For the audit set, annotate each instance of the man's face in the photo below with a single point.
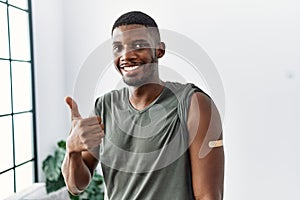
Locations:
(135, 54)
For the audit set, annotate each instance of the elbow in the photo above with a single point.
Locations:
(72, 187)
(77, 177)
(213, 196)
(74, 190)
(75, 187)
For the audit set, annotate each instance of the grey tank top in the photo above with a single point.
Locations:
(144, 154)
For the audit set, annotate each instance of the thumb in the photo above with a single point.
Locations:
(73, 107)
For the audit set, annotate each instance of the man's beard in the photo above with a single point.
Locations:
(137, 82)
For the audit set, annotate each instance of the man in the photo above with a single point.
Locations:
(156, 140)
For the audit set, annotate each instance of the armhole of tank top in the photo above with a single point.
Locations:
(97, 109)
(185, 102)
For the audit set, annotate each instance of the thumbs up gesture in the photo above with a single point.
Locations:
(86, 133)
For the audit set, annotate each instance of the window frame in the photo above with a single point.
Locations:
(34, 159)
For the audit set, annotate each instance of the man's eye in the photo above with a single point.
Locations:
(117, 48)
(140, 45)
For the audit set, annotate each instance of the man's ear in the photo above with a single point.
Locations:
(160, 51)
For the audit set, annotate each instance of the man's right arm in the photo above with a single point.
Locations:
(82, 150)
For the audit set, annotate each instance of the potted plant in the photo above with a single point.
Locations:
(55, 181)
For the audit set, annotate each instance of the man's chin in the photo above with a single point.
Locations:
(135, 82)
(132, 83)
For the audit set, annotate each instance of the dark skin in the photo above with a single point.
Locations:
(135, 56)
(207, 163)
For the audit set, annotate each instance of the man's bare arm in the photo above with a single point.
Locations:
(76, 172)
(207, 162)
(82, 147)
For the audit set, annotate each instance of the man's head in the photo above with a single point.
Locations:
(137, 17)
(137, 47)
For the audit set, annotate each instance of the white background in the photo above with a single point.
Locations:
(255, 46)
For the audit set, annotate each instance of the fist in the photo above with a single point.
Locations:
(86, 133)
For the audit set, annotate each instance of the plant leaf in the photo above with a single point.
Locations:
(62, 144)
(50, 168)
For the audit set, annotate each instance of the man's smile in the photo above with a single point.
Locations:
(131, 69)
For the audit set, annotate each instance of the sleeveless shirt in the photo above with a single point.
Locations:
(144, 154)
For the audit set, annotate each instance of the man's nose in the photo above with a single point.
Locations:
(128, 54)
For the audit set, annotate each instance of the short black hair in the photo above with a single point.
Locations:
(136, 17)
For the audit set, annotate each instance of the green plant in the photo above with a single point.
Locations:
(54, 179)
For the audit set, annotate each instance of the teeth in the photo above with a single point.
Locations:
(130, 68)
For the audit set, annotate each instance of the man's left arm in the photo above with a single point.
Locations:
(207, 161)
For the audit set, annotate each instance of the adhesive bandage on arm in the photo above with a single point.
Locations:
(216, 143)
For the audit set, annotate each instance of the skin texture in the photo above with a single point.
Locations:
(134, 46)
(207, 163)
(82, 149)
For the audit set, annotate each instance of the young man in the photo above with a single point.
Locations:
(151, 133)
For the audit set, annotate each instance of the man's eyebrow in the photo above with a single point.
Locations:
(140, 40)
(132, 42)
(116, 42)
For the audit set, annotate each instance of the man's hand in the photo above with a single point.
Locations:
(86, 133)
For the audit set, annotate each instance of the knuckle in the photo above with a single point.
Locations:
(102, 126)
(94, 118)
(83, 138)
(101, 134)
(84, 141)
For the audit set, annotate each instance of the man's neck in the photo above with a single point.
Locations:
(141, 97)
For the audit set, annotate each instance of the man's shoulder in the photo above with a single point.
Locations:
(117, 92)
(183, 89)
(176, 87)
(112, 95)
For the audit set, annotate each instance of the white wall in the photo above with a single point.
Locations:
(49, 76)
(254, 46)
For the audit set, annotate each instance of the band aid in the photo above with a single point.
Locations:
(214, 144)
